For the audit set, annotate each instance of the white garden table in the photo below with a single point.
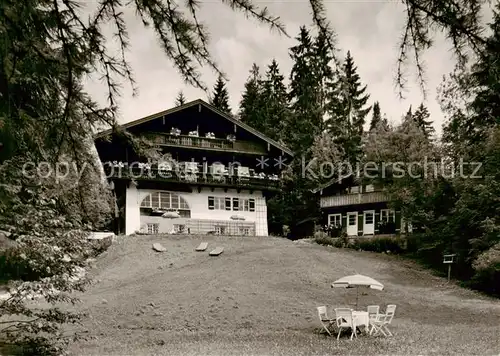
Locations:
(361, 319)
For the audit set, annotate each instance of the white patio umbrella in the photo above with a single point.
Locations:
(171, 215)
(237, 217)
(356, 281)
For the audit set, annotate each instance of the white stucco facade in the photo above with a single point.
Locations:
(200, 213)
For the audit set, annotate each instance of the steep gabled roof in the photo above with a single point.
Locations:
(209, 107)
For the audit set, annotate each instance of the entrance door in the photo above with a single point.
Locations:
(369, 222)
(352, 224)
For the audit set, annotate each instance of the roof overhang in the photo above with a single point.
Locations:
(209, 107)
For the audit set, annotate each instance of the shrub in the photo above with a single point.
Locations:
(381, 244)
(487, 271)
(322, 238)
(333, 230)
(386, 227)
(99, 246)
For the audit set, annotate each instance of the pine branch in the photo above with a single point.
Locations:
(251, 11)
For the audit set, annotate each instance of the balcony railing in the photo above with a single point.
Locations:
(353, 199)
(209, 179)
(217, 144)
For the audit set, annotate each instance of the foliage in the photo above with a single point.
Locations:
(46, 116)
(347, 110)
(421, 120)
(251, 101)
(380, 244)
(323, 239)
(487, 271)
(376, 116)
(274, 103)
(50, 253)
(333, 230)
(308, 87)
(180, 99)
(386, 227)
(220, 96)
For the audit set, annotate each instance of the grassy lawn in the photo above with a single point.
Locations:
(260, 297)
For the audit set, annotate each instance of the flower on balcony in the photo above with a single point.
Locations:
(146, 166)
(175, 131)
(231, 137)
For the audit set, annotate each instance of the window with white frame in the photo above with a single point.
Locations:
(387, 215)
(179, 228)
(216, 203)
(153, 228)
(251, 204)
(243, 204)
(236, 204)
(335, 219)
(220, 229)
(164, 200)
(227, 203)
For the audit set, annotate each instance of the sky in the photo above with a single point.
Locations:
(371, 30)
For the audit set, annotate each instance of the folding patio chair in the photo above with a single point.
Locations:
(326, 322)
(382, 321)
(373, 312)
(344, 319)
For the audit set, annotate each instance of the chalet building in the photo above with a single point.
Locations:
(215, 175)
(359, 209)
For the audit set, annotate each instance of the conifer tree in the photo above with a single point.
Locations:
(376, 116)
(408, 116)
(220, 96)
(308, 95)
(309, 80)
(250, 111)
(46, 54)
(421, 118)
(274, 102)
(180, 99)
(348, 110)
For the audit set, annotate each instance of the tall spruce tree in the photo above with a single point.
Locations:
(308, 87)
(180, 99)
(325, 68)
(376, 116)
(274, 102)
(408, 116)
(421, 118)
(308, 90)
(250, 110)
(348, 110)
(220, 96)
(41, 95)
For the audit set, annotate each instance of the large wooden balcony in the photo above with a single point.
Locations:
(353, 199)
(196, 179)
(206, 143)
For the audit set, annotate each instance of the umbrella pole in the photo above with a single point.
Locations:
(357, 296)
